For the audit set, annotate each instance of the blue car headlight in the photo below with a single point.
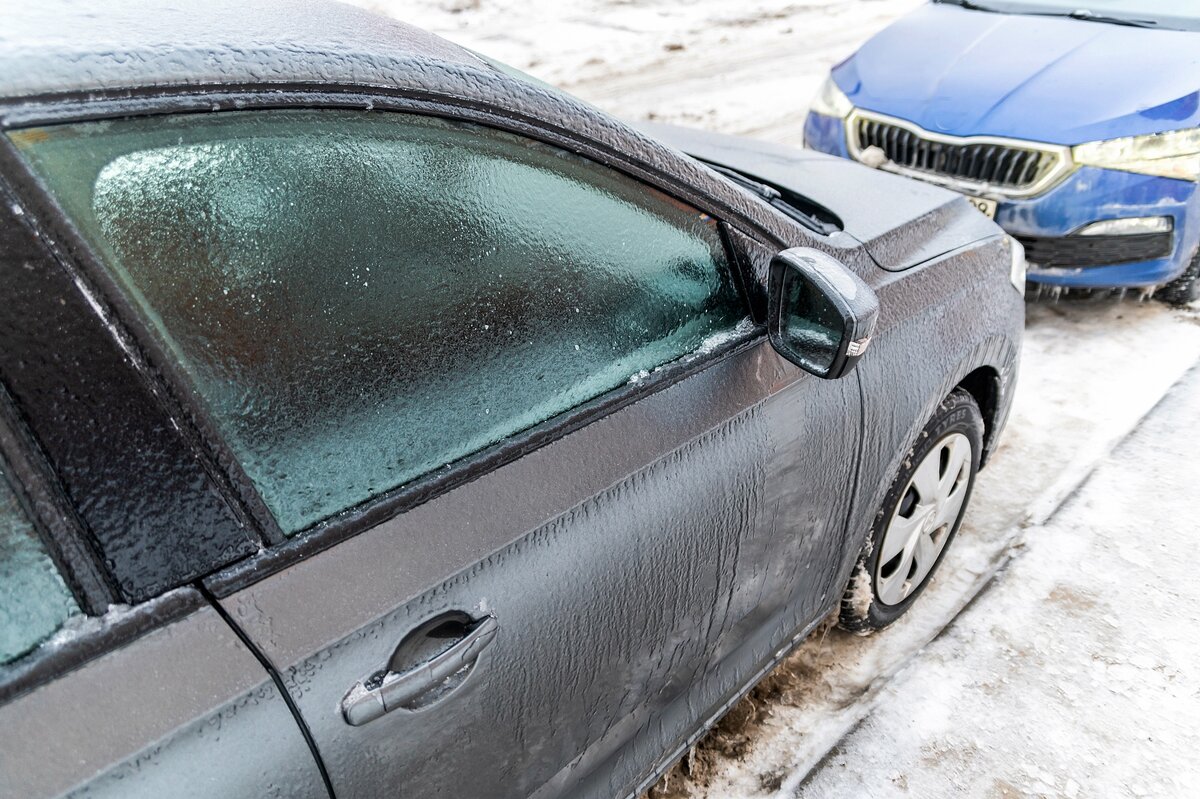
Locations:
(1175, 154)
(831, 100)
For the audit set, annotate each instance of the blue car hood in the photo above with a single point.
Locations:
(1050, 79)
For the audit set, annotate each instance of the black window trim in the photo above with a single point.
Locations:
(196, 424)
(36, 485)
(33, 480)
(40, 488)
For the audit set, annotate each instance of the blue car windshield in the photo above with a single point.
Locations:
(1181, 15)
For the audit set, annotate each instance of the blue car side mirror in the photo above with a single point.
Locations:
(820, 315)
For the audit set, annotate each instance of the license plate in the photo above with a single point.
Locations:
(986, 207)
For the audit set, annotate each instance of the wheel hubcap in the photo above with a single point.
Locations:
(921, 523)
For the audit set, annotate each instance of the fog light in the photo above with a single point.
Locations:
(1130, 226)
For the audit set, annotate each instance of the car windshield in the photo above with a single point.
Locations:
(1168, 14)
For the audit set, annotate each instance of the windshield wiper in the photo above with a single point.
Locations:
(775, 199)
(1088, 16)
(1083, 14)
(970, 6)
(761, 189)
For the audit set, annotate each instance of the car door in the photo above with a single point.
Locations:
(551, 498)
(113, 681)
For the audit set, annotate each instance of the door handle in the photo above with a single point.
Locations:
(390, 690)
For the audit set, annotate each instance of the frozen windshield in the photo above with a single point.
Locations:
(1168, 14)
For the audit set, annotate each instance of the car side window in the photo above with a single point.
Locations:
(364, 297)
(34, 600)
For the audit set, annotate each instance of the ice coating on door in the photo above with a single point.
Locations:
(363, 297)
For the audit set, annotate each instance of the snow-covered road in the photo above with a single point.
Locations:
(748, 67)
(944, 701)
(1076, 673)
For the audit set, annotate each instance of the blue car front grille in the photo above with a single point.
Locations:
(1003, 166)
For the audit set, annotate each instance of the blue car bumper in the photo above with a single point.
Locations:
(1087, 195)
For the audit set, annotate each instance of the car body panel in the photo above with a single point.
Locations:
(617, 561)
(714, 509)
(1110, 195)
(826, 135)
(884, 227)
(961, 268)
(963, 72)
(184, 711)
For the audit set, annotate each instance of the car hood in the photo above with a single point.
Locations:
(1052, 79)
(900, 222)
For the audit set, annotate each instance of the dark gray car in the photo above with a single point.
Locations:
(377, 420)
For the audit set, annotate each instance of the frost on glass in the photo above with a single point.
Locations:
(363, 297)
(34, 601)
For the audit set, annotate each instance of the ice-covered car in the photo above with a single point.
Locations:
(377, 420)
(1075, 124)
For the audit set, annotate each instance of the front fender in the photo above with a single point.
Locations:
(940, 323)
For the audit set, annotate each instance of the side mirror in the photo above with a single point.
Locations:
(820, 315)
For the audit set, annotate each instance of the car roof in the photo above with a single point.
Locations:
(61, 60)
(59, 46)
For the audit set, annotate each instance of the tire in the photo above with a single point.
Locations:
(1183, 289)
(919, 518)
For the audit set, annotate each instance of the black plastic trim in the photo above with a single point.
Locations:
(90, 401)
(1058, 252)
(61, 530)
(158, 370)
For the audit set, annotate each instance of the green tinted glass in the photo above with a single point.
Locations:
(363, 297)
(34, 600)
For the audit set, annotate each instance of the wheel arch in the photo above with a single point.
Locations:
(983, 384)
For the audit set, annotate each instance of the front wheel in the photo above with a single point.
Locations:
(1183, 289)
(919, 517)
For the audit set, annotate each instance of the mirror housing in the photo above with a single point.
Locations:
(820, 315)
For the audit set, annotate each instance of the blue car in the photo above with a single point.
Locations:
(1078, 130)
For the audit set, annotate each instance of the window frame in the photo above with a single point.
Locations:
(40, 489)
(45, 503)
(59, 233)
(34, 483)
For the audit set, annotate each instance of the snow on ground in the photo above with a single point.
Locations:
(1076, 673)
(746, 66)
(940, 709)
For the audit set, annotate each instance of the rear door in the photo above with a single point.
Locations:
(544, 481)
